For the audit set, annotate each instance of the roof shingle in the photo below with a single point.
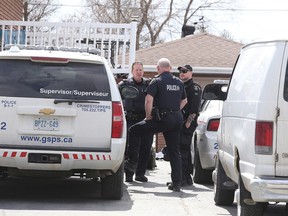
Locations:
(200, 50)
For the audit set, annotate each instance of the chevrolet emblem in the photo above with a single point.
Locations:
(46, 111)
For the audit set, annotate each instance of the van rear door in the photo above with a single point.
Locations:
(282, 123)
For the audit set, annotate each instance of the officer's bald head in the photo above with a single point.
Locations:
(163, 65)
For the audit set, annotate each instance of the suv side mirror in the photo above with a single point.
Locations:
(129, 92)
(215, 92)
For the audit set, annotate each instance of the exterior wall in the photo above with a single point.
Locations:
(11, 10)
(201, 79)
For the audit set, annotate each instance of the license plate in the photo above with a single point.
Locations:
(46, 124)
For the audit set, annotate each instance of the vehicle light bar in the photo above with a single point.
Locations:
(54, 48)
(49, 59)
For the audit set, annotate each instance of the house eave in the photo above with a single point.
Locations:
(196, 70)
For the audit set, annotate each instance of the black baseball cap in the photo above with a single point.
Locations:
(185, 67)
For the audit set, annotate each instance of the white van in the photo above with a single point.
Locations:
(61, 115)
(252, 136)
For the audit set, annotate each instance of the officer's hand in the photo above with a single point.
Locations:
(187, 124)
(190, 119)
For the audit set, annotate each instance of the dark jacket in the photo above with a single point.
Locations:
(194, 93)
(135, 105)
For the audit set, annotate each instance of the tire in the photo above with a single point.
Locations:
(200, 175)
(243, 209)
(112, 186)
(222, 195)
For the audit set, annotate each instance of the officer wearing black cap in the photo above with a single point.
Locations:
(166, 96)
(190, 114)
(135, 112)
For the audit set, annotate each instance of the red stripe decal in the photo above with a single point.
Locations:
(23, 154)
(5, 154)
(13, 154)
(109, 157)
(65, 156)
(104, 158)
(75, 156)
(91, 157)
(83, 156)
(97, 156)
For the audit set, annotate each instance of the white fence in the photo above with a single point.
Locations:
(117, 42)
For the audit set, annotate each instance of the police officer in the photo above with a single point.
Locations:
(190, 114)
(135, 112)
(167, 95)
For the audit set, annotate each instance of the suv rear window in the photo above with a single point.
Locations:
(72, 80)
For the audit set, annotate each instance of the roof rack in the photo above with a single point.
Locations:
(53, 48)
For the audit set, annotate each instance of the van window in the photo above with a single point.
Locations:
(285, 93)
(73, 80)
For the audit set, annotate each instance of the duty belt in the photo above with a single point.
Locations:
(159, 114)
(166, 111)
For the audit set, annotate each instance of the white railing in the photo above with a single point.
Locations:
(116, 42)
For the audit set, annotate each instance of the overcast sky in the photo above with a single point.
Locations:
(253, 19)
(258, 19)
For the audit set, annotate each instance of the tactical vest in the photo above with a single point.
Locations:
(136, 105)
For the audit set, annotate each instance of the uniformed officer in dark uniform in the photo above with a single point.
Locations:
(166, 95)
(135, 112)
(190, 114)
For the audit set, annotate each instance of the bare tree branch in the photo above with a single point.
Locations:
(189, 13)
(37, 10)
(186, 17)
(152, 21)
(144, 6)
(154, 32)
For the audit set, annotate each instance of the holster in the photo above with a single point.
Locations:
(156, 114)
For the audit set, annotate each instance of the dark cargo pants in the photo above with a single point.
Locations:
(170, 126)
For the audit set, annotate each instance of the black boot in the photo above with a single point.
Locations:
(129, 176)
(189, 180)
(174, 187)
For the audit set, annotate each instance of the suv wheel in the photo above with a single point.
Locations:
(200, 175)
(222, 195)
(112, 186)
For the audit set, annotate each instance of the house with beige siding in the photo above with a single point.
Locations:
(11, 10)
(211, 57)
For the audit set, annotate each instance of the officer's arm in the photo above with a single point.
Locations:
(183, 103)
(195, 97)
(195, 100)
(148, 106)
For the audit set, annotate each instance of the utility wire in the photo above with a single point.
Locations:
(163, 8)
